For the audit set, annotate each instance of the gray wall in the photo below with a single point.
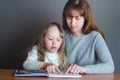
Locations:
(22, 20)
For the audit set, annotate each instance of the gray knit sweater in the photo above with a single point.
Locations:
(90, 51)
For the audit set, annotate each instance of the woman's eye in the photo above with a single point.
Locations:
(69, 17)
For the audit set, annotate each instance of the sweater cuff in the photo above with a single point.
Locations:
(41, 65)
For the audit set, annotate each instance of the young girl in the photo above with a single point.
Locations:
(48, 53)
(87, 51)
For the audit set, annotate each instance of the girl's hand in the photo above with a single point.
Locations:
(75, 69)
(51, 68)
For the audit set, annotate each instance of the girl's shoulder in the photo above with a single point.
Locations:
(34, 47)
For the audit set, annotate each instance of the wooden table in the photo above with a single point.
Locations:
(7, 74)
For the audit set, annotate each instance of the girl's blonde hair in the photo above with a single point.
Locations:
(83, 7)
(42, 50)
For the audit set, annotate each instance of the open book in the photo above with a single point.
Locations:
(44, 73)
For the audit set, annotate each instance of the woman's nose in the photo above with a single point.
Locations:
(73, 21)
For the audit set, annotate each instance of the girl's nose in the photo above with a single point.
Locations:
(54, 42)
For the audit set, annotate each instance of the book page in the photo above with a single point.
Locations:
(64, 75)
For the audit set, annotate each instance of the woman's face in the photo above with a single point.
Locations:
(75, 22)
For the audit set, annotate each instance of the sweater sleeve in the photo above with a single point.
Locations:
(31, 62)
(105, 63)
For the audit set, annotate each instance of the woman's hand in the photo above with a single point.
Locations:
(75, 69)
(50, 68)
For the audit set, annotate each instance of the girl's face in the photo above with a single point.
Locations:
(52, 40)
(75, 22)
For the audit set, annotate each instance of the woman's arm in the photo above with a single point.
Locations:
(105, 62)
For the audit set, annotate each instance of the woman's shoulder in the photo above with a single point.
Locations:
(94, 34)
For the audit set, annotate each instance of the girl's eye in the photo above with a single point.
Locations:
(58, 39)
(50, 38)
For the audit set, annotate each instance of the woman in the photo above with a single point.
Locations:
(86, 47)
